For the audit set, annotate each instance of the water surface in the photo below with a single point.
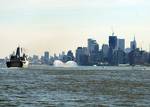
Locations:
(43, 86)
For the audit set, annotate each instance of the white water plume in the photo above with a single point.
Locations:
(58, 63)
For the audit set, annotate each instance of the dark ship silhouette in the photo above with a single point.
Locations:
(17, 60)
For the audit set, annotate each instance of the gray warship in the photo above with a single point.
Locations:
(18, 59)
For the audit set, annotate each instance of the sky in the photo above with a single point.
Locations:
(61, 25)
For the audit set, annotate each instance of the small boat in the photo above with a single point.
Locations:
(18, 59)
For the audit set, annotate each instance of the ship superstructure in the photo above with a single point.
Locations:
(18, 59)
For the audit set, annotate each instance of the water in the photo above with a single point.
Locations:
(43, 86)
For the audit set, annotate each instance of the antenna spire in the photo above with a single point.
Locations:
(149, 48)
(134, 37)
(112, 31)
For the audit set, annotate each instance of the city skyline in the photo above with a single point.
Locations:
(127, 46)
(113, 53)
(56, 26)
(118, 45)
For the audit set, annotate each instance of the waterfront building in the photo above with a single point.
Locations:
(121, 56)
(121, 44)
(112, 48)
(82, 57)
(51, 60)
(60, 56)
(105, 50)
(2, 61)
(92, 46)
(66, 57)
(46, 57)
(78, 53)
(93, 49)
(70, 55)
(42, 60)
(133, 44)
(137, 57)
(113, 42)
(55, 57)
(35, 59)
(118, 57)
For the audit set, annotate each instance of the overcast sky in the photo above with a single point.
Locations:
(57, 25)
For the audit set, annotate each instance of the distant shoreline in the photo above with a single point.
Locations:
(104, 68)
(89, 68)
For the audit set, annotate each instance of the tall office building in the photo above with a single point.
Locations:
(112, 48)
(113, 41)
(92, 46)
(78, 54)
(35, 59)
(121, 44)
(46, 57)
(133, 44)
(82, 56)
(105, 50)
(70, 56)
(93, 49)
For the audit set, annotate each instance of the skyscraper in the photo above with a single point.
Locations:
(93, 49)
(133, 44)
(105, 50)
(112, 48)
(82, 56)
(92, 46)
(35, 59)
(78, 54)
(46, 57)
(113, 41)
(70, 56)
(121, 44)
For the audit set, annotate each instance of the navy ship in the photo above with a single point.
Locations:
(18, 59)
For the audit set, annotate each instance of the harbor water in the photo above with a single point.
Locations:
(45, 86)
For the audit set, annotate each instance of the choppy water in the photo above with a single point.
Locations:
(41, 86)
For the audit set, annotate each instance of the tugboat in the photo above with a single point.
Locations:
(18, 60)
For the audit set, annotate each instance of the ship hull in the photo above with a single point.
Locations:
(14, 64)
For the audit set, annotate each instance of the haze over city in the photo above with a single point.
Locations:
(57, 26)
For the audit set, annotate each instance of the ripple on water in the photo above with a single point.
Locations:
(55, 87)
